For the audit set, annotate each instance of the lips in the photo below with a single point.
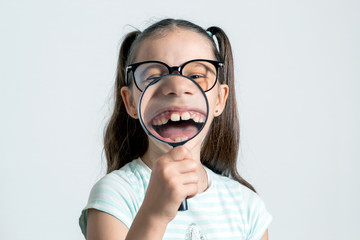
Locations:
(174, 125)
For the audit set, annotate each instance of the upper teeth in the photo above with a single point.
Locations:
(176, 116)
(185, 116)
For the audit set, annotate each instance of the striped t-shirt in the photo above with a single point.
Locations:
(226, 210)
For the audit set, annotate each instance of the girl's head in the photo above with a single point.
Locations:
(175, 42)
(175, 47)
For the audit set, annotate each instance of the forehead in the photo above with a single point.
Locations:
(175, 47)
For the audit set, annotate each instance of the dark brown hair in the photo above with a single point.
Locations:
(124, 138)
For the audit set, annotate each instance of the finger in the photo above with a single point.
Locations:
(190, 190)
(180, 153)
(185, 166)
(189, 178)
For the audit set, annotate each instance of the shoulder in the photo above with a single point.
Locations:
(133, 174)
(119, 193)
(224, 182)
(226, 185)
(252, 208)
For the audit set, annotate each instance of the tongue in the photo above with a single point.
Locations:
(179, 130)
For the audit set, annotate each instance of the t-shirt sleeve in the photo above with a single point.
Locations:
(112, 195)
(258, 217)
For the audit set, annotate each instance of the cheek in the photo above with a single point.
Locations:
(135, 96)
(212, 97)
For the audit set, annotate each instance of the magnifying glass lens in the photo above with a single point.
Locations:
(173, 109)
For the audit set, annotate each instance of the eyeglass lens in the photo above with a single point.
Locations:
(204, 73)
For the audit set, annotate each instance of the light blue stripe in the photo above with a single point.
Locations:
(227, 207)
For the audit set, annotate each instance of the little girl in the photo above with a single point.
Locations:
(147, 180)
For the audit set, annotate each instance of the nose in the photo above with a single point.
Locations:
(177, 85)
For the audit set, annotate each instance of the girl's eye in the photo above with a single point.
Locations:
(149, 72)
(196, 76)
(152, 78)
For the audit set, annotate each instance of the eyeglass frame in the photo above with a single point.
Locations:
(132, 67)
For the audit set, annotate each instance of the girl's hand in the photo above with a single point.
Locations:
(174, 177)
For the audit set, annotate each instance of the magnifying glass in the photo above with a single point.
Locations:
(173, 109)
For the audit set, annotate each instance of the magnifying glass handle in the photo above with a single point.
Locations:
(183, 206)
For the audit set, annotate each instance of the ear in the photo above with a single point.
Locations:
(221, 99)
(129, 103)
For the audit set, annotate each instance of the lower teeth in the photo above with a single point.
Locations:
(180, 139)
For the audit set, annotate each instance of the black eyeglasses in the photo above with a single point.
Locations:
(204, 72)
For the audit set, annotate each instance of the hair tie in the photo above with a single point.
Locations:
(210, 34)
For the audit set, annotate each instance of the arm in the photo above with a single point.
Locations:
(103, 226)
(265, 236)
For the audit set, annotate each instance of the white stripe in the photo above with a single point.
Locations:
(227, 210)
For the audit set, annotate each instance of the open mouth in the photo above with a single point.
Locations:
(177, 126)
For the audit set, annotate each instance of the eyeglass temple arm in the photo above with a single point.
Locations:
(127, 69)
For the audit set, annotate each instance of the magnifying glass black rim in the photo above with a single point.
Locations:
(173, 144)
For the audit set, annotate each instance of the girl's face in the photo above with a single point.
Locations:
(176, 47)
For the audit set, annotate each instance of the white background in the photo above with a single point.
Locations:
(298, 72)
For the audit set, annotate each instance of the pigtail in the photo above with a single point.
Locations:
(220, 149)
(124, 139)
(124, 55)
